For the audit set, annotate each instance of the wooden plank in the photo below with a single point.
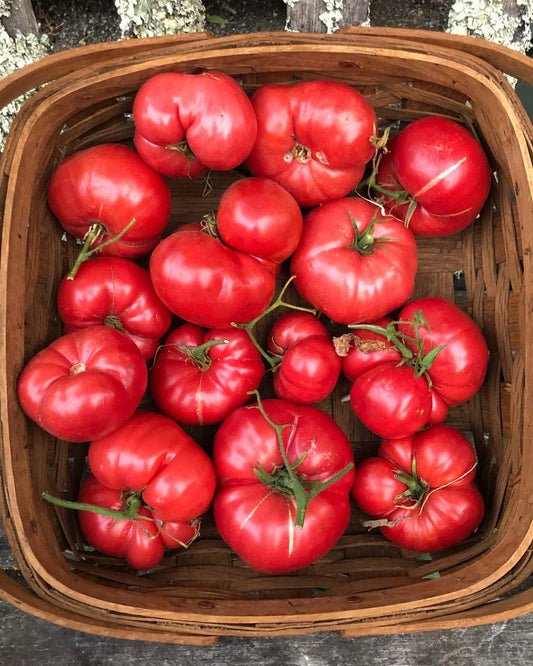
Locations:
(318, 16)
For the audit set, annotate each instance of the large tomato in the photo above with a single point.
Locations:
(284, 473)
(353, 263)
(313, 137)
(84, 384)
(307, 367)
(152, 455)
(200, 375)
(441, 172)
(116, 292)
(99, 191)
(187, 123)
(421, 490)
(130, 529)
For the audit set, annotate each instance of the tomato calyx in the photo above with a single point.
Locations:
(285, 479)
(199, 355)
(299, 152)
(272, 360)
(113, 321)
(131, 503)
(366, 242)
(181, 147)
(420, 362)
(416, 488)
(95, 232)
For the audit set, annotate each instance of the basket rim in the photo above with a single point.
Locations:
(442, 590)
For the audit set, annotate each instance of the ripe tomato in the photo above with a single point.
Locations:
(152, 455)
(100, 190)
(116, 292)
(187, 123)
(353, 263)
(313, 137)
(444, 172)
(200, 375)
(133, 532)
(421, 487)
(207, 283)
(308, 366)
(259, 217)
(84, 385)
(283, 484)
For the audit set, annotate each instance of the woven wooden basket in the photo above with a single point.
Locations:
(365, 585)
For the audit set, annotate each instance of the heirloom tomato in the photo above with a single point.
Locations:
(284, 473)
(421, 489)
(200, 375)
(116, 292)
(435, 175)
(126, 528)
(108, 196)
(313, 137)
(307, 366)
(84, 384)
(353, 263)
(187, 123)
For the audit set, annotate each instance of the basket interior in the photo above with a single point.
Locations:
(480, 269)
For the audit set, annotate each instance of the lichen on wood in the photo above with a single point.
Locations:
(150, 18)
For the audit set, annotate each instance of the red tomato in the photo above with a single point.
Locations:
(109, 186)
(200, 375)
(118, 293)
(140, 539)
(443, 170)
(84, 384)
(152, 455)
(259, 217)
(313, 137)
(422, 487)
(184, 122)
(353, 263)
(255, 507)
(308, 367)
(207, 283)
(459, 369)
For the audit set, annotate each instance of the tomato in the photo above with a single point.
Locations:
(84, 384)
(132, 533)
(313, 137)
(259, 217)
(443, 171)
(444, 360)
(421, 489)
(200, 375)
(308, 366)
(187, 123)
(116, 292)
(284, 473)
(152, 455)
(459, 369)
(207, 283)
(353, 263)
(366, 349)
(99, 191)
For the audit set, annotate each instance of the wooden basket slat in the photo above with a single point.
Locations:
(489, 254)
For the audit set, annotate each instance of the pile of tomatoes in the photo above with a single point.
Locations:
(171, 319)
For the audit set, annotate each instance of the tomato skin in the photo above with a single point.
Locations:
(84, 384)
(309, 367)
(459, 369)
(450, 507)
(259, 217)
(153, 454)
(110, 185)
(345, 283)
(313, 137)
(390, 400)
(256, 521)
(196, 395)
(209, 110)
(116, 292)
(444, 168)
(207, 283)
